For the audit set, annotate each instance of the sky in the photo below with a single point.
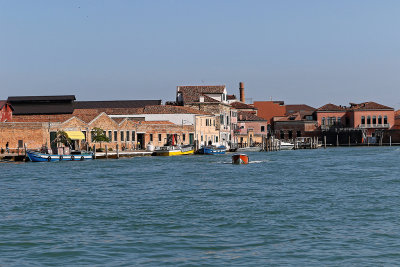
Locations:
(310, 51)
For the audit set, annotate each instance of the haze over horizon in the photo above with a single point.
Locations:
(301, 52)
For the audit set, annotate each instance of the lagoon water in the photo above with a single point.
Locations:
(326, 207)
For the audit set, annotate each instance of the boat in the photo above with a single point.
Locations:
(240, 159)
(249, 149)
(286, 145)
(212, 150)
(174, 150)
(43, 157)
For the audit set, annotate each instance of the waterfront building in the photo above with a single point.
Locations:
(251, 129)
(369, 118)
(211, 99)
(293, 125)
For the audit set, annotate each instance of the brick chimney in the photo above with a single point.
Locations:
(241, 92)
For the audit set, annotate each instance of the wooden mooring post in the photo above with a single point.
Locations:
(94, 151)
(390, 140)
(117, 151)
(324, 141)
(337, 140)
(349, 140)
(106, 152)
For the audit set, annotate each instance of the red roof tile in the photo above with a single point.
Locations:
(369, 106)
(248, 116)
(240, 105)
(331, 107)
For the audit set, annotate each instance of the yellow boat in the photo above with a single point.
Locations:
(174, 150)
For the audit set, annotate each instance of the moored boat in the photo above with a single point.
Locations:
(35, 156)
(286, 145)
(240, 159)
(249, 149)
(212, 150)
(174, 150)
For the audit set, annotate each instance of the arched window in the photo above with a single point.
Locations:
(385, 121)
(369, 120)
(374, 120)
(379, 119)
(323, 121)
(362, 120)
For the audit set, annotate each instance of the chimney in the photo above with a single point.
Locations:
(241, 91)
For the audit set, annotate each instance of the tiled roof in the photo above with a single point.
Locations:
(369, 106)
(231, 97)
(297, 116)
(331, 107)
(298, 108)
(157, 109)
(248, 116)
(397, 114)
(115, 104)
(192, 93)
(240, 105)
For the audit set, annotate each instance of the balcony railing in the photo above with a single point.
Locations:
(369, 126)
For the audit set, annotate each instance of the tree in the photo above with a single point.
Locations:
(62, 137)
(98, 135)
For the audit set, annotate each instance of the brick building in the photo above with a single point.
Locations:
(251, 129)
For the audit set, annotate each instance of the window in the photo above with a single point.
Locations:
(374, 120)
(227, 120)
(127, 136)
(183, 137)
(151, 137)
(133, 136)
(339, 120)
(92, 136)
(369, 120)
(323, 121)
(282, 134)
(20, 143)
(216, 139)
(201, 138)
(385, 121)
(221, 117)
(159, 138)
(115, 136)
(290, 135)
(363, 120)
(110, 135)
(122, 136)
(380, 119)
(298, 133)
(262, 128)
(214, 122)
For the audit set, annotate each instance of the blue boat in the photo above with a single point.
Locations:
(43, 157)
(212, 150)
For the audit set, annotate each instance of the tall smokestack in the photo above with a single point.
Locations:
(241, 91)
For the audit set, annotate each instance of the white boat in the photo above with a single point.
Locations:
(286, 145)
(249, 149)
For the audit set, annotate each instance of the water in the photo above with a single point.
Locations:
(333, 207)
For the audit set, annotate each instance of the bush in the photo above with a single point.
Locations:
(100, 149)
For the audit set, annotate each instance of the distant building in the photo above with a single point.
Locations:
(6, 111)
(211, 99)
(369, 118)
(251, 129)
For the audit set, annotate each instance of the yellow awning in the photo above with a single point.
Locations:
(75, 135)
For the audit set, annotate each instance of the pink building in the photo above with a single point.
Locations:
(370, 117)
(251, 129)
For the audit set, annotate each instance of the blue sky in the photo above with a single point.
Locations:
(311, 52)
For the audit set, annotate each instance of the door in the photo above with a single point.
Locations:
(141, 141)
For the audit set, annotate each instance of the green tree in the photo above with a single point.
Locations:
(98, 135)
